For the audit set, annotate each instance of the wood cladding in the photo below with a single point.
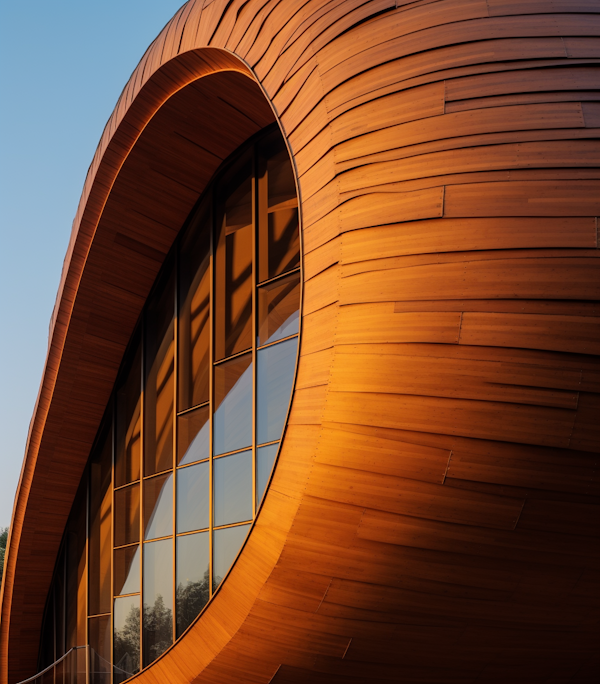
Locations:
(434, 513)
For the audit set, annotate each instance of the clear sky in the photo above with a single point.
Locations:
(63, 64)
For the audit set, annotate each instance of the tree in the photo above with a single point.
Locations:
(3, 540)
(127, 646)
(158, 629)
(190, 600)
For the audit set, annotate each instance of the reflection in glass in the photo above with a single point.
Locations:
(100, 526)
(126, 578)
(76, 571)
(233, 405)
(158, 415)
(265, 458)
(278, 309)
(158, 598)
(126, 655)
(59, 670)
(127, 515)
(233, 261)
(227, 544)
(158, 506)
(233, 488)
(193, 491)
(193, 581)
(59, 605)
(280, 175)
(47, 646)
(274, 377)
(48, 678)
(99, 641)
(194, 311)
(128, 422)
(193, 432)
(278, 230)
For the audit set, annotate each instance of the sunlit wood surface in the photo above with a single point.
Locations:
(434, 515)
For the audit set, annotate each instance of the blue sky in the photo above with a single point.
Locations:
(63, 65)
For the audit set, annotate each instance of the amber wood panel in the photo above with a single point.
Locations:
(434, 513)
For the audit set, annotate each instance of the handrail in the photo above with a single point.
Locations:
(54, 664)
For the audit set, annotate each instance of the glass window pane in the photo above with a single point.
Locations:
(47, 677)
(193, 432)
(278, 309)
(47, 640)
(233, 261)
(278, 233)
(76, 570)
(60, 669)
(127, 515)
(276, 366)
(193, 492)
(100, 526)
(194, 311)
(282, 187)
(193, 581)
(158, 598)
(283, 240)
(59, 605)
(127, 570)
(265, 458)
(159, 402)
(99, 640)
(233, 405)
(233, 488)
(128, 422)
(227, 545)
(126, 645)
(158, 506)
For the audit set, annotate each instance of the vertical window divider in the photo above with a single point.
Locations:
(256, 180)
(211, 391)
(142, 448)
(175, 397)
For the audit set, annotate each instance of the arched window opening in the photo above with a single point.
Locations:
(190, 437)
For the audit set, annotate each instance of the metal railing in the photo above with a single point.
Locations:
(72, 668)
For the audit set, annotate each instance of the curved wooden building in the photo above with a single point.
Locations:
(434, 515)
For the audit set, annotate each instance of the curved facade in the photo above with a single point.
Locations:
(434, 510)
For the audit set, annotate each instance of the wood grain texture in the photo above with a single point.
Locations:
(434, 513)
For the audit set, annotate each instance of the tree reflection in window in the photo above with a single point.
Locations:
(126, 643)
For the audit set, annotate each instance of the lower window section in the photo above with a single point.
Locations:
(99, 641)
(158, 599)
(126, 653)
(265, 460)
(226, 546)
(193, 578)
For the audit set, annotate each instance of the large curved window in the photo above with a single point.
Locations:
(186, 449)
